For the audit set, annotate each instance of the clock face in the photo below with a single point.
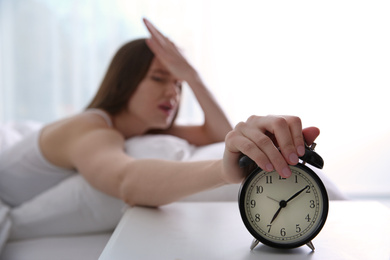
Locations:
(284, 213)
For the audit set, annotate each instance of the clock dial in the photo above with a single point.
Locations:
(282, 212)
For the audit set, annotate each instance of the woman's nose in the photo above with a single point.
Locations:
(173, 89)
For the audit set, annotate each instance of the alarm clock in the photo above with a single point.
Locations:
(284, 212)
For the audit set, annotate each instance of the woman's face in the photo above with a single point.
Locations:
(156, 100)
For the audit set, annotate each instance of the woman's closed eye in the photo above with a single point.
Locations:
(162, 79)
(158, 79)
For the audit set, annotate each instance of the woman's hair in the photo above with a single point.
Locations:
(127, 69)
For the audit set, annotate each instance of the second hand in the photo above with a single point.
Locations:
(273, 199)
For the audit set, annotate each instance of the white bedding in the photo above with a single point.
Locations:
(5, 224)
(73, 220)
(81, 247)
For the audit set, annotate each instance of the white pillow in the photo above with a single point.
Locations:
(75, 207)
(165, 147)
(71, 207)
(13, 132)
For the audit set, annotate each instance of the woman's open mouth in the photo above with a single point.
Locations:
(167, 108)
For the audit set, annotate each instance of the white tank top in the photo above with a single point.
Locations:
(101, 113)
(25, 172)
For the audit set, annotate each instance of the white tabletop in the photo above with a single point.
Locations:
(354, 230)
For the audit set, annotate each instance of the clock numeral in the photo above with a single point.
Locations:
(253, 204)
(281, 178)
(257, 217)
(269, 228)
(308, 218)
(296, 178)
(268, 179)
(308, 189)
(312, 204)
(283, 232)
(259, 189)
(298, 228)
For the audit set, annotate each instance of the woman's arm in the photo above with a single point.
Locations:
(216, 125)
(98, 154)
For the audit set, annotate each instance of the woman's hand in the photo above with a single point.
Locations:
(168, 54)
(272, 142)
(216, 125)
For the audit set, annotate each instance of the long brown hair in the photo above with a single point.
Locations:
(127, 69)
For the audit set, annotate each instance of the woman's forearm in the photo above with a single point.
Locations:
(157, 182)
(216, 124)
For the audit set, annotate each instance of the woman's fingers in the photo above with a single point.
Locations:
(284, 131)
(167, 53)
(310, 134)
(258, 146)
(156, 34)
(158, 43)
(272, 142)
(161, 44)
(295, 125)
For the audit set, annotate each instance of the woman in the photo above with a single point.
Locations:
(141, 94)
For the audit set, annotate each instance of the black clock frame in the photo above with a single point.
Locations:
(256, 235)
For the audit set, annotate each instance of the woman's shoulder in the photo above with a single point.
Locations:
(61, 140)
(81, 124)
(101, 114)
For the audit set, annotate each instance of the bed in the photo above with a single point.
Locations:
(72, 220)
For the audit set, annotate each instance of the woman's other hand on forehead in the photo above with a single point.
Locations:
(168, 54)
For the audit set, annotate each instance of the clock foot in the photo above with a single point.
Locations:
(255, 242)
(310, 244)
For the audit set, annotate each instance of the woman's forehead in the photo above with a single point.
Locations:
(157, 66)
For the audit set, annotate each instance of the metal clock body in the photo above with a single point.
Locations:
(284, 213)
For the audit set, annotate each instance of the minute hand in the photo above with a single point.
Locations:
(296, 194)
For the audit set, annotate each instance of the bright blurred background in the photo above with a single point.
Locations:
(325, 61)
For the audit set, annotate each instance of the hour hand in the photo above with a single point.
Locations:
(276, 214)
(282, 204)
